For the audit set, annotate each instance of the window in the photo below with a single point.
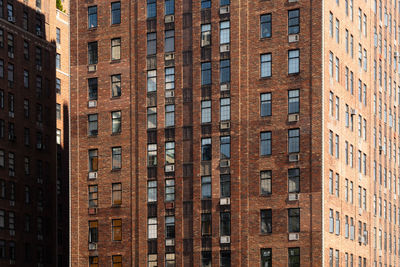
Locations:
(294, 101)
(151, 43)
(151, 80)
(92, 53)
(2, 160)
(331, 221)
(152, 228)
(116, 158)
(265, 143)
(93, 196)
(92, 16)
(58, 61)
(206, 149)
(224, 71)
(92, 85)
(225, 147)
(225, 185)
(337, 223)
(205, 4)
(205, 111)
(93, 261)
(169, 115)
(58, 85)
(206, 187)
(206, 224)
(224, 37)
(116, 85)
(225, 109)
(294, 140)
(93, 231)
(117, 261)
(169, 227)
(294, 220)
(169, 260)
(116, 49)
(152, 154)
(170, 78)
(225, 224)
(93, 160)
(265, 105)
(266, 221)
(266, 65)
(294, 61)
(294, 180)
(266, 257)
(151, 191)
(151, 117)
(116, 121)
(205, 73)
(293, 21)
(169, 7)
(116, 13)
(224, 2)
(169, 152)
(265, 25)
(169, 190)
(151, 9)
(205, 35)
(58, 35)
(169, 43)
(266, 182)
(294, 257)
(337, 31)
(58, 136)
(337, 69)
(116, 229)
(206, 258)
(58, 111)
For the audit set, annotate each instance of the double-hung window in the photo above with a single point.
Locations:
(224, 32)
(206, 111)
(116, 122)
(294, 220)
(92, 53)
(169, 7)
(294, 21)
(225, 109)
(116, 158)
(169, 115)
(266, 64)
(266, 221)
(266, 182)
(116, 13)
(225, 71)
(205, 73)
(294, 101)
(294, 180)
(116, 85)
(294, 140)
(225, 147)
(294, 61)
(266, 106)
(206, 149)
(265, 26)
(205, 35)
(265, 143)
(92, 17)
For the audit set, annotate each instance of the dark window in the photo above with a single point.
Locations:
(116, 158)
(116, 85)
(58, 86)
(225, 258)
(294, 220)
(116, 194)
(265, 25)
(294, 257)
(26, 50)
(93, 125)
(151, 9)
(206, 149)
(225, 184)
(266, 221)
(58, 111)
(93, 261)
(116, 13)
(206, 187)
(206, 224)
(266, 182)
(266, 104)
(265, 143)
(225, 147)
(266, 257)
(116, 121)
(224, 2)
(93, 196)
(93, 231)
(294, 180)
(294, 101)
(206, 258)
(294, 21)
(169, 7)
(93, 160)
(151, 43)
(92, 16)
(117, 261)
(169, 43)
(58, 35)
(205, 73)
(225, 224)
(225, 71)
(294, 140)
(92, 84)
(92, 53)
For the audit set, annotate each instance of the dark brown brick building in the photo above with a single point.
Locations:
(27, 134)
(235, 133)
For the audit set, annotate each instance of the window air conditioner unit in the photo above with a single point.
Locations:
(225, 201)
(294, 157)
(170, 242)
(169, 93)
(361, 239)
(225, 163)
(92, 103)
(293, 38)
(11, 19)
(169, 168)
(92, 67)
(293, 117)
(11, 114)
(353, 112)
(92, 246)
(169, 56)
(224, 48)
(293, 236)
(225, 239)
(293, 197)
(38, 32)
(92, 175)
(169, 18)
(225, 125)
(224, 87)
(224, 10)
(92, 211)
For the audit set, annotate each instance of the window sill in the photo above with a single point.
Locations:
(92, 28)
(116, 170)
(113, 134)
(115, 97)
(92, 136)
(266, 195)
(115, 61)
(115, 24)
(265, 234)
(265, 78)
(293, 74)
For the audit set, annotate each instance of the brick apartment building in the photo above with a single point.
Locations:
(28, 169)
(235, 133)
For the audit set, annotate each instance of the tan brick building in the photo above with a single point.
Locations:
(235, 133)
